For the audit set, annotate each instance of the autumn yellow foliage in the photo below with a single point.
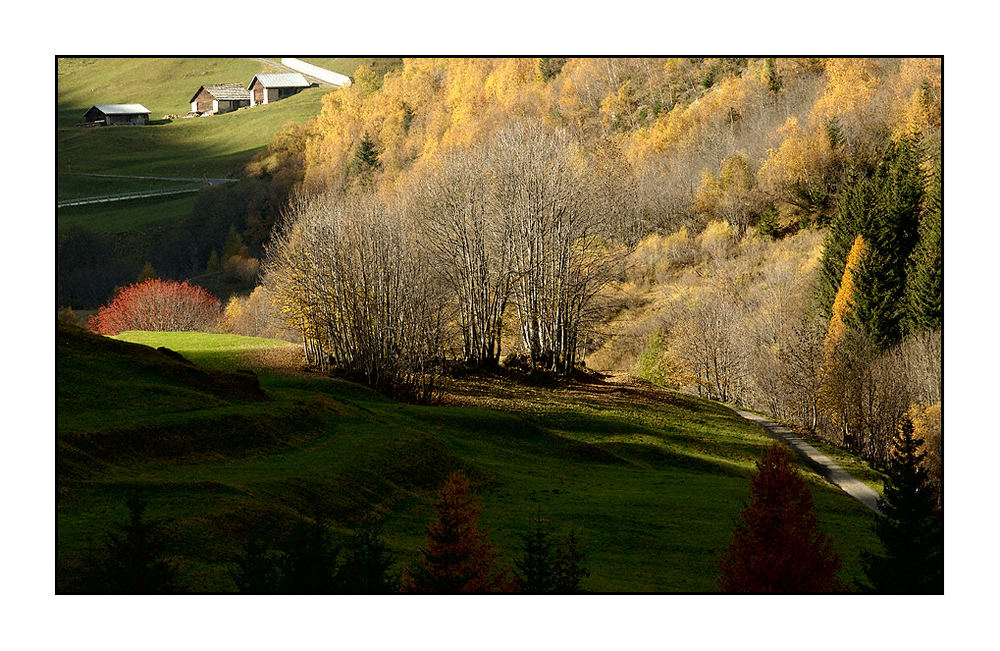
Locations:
(851, 86)
(916, 98)
(682, 127)
(927, 426)
(843, 304)
(670, 117)
(800, 159)
(716, 239)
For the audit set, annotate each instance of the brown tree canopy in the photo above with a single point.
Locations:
(458, 556)
(779, 547)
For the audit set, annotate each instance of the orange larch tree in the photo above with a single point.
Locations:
(779, 547)
(458, 556)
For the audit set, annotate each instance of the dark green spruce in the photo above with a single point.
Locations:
(366, 157)
(925, 272)
(368, 566)
(307, 562)
(885, 208)
(544, 567)
(912, 529)
(133, 560)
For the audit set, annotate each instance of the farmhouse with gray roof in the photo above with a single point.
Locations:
(220, 98)
(269, 87)
(113, 114)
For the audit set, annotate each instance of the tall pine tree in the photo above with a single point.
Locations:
(912, 527)
(368, 564)
(925, 272)
(133, 560)
(884, 208)
(545, 568)
(857, 205)
(366, 158)
(535, 569)
(891, 237)
(309, 563)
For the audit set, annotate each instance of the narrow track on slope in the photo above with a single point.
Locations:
(825, 466)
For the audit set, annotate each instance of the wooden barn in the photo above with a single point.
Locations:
(112, 114)
(270, 87)
(220, 98)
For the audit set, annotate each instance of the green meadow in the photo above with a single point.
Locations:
(125, 216)
(163, 85)
(78, 186)
(651, 481)
(215, 147)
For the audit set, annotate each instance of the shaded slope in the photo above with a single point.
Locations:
(651, 481)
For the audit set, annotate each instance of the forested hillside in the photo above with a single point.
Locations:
(704, 137)
(760, 231)
(700, 213)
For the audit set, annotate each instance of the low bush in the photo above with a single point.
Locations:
(161, 305)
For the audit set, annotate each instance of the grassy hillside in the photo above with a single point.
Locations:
(217, 146)
(163, 85)
(123, 216)
(213, 146)
(219, 351)
(76, 186)
(652, 481)
(347, 65)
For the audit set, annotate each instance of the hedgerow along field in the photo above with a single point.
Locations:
(652, 481)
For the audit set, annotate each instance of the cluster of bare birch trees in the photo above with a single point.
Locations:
(349, 275)
(525, 226)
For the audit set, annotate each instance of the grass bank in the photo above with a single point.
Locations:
(651, 481)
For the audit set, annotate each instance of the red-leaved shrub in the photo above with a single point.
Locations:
(157, 305)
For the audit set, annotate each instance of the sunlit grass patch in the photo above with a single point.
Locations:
(220, 351)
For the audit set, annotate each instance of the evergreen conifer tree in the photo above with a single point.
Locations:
(770, 76)
(213, 263)
(857, 205)
(309, 563)
(233, 244)
(544, 567)
(891, 236)
(366, 156)
(458, 556)
(779, 547)
(257, 570)
(570, 570)
(133, 561)
(884, 208)
(925, 273)
(535, 569)
(912, 527)
(147, 272)
(368, 566)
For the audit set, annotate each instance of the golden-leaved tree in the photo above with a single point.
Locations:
(840, 371)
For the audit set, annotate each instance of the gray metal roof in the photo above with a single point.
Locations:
(281, 80)
(120, 109)
(225, 91)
